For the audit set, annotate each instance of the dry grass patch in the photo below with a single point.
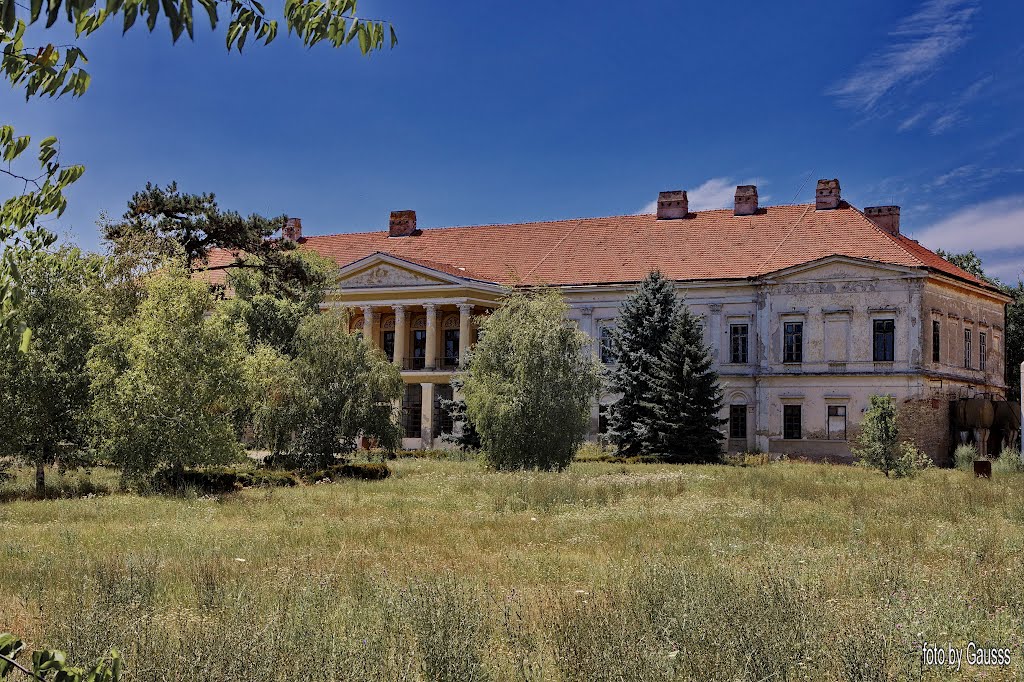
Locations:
(446, 571)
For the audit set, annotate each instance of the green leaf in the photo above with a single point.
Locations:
(26, 341)
(394, 36)
(8, 15)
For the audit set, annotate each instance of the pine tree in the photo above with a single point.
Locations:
(689, 398)
(644, 325)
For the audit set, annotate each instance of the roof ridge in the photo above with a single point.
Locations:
(543, 222)
(892, 237)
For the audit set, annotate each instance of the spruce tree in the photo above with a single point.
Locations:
(689, 398)
(644, 325)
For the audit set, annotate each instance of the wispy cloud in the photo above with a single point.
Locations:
(971, 177)
(919, 44)
(948, 113)
(712, 193)
(993, 225)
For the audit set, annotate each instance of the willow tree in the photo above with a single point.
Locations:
(40, 67)
(530, 383)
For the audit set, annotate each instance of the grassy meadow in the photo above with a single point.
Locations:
(447, 571)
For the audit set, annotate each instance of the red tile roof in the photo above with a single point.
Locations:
(707, 245)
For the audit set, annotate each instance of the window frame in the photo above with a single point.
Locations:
(787, 433)
(982, 350)
(968, 350)
(936, 341)
(606, 344)
(795, 357)
(829, 416)
(739, 355)
(888, 340)
(737, 409)
(450, 336)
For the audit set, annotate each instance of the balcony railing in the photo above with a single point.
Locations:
(414, 363)
(446, 363)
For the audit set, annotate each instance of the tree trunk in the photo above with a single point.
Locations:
(40, 478)
(45, 457)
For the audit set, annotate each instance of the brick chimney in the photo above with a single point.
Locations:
(673, 205)
(884, 217)
(403, 224)
(827, 195)
(292, 229)
(746, 200)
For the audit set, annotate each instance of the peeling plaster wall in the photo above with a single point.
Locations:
(957, 308)
(837, 301)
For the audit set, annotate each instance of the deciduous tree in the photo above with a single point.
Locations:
(338, 388)
(46, 69)
(529, 384)
(44, 390)
(168, 381)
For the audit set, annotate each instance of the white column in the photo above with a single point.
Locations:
(368, 324)
(427, 416)
(401, 335)
(587, 327)
(465, 317)
(431, 351)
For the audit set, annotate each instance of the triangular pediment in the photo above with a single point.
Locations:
(386, 271)
(387, 275)
(839, 268)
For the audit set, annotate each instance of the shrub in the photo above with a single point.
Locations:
(220, 480)
(364, 471)
(911, 461)
(879, 446)
(1009, 461)
(964, 456)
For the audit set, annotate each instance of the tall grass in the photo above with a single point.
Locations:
(604, 572)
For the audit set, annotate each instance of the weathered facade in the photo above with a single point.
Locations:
(808, 309)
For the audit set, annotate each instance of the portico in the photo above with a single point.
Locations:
(423, 319)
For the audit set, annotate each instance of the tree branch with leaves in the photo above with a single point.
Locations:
(52, 70)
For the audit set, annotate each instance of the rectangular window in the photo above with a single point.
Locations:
(738, 334)
(982, 350)
(936, 341)
(607, 346)
(738, 421)
(451, 348)
(793, 346)
(388, 343)
(837, 422)
(884, 340)
(412, 411)
(967, 348)
(442, 419)
(792, 422)
(418, 358)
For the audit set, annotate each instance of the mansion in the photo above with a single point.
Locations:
(808, 309)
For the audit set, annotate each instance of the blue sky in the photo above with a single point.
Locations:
(496, 112)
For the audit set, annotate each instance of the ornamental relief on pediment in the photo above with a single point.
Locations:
(386, 276)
